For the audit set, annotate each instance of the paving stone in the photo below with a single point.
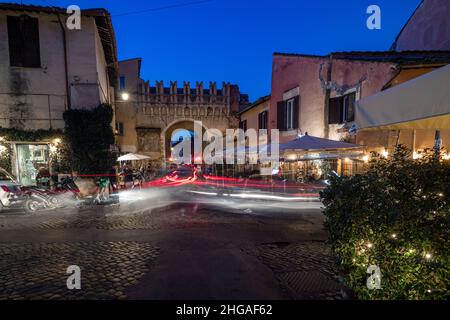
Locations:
(305, 270)
(38, 270)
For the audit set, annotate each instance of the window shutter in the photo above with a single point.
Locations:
(265, 119)
(14, 41)
(281, 116)
(334, 110)
(296, 112)
(31, 56)
(23, 41)
(350, 111)
(259, 121)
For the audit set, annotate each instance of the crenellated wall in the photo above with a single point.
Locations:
(153, 110)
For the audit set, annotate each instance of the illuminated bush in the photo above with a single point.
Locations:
(394, 216)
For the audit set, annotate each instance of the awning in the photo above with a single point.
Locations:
(421, 103)
(132, 156)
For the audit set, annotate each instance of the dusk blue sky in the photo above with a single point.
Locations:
(233, 40)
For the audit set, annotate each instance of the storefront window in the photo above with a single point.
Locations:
(33, 164)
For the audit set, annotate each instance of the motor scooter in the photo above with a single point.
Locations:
(40, 199)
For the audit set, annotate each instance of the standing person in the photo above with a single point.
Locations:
(103, 189)
(128, 177)
(113, 180)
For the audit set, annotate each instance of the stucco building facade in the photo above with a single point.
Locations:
(321, 92)
(46, 69)
(427, 29)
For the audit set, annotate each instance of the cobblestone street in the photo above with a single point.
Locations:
(177, 251)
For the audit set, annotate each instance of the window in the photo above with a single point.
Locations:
(262, 120)
(121, 82)
(342, 109)
(243, 125)
(23, 41)
(119, 128)
(288, 114)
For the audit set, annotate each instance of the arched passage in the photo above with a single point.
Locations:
(172, 134)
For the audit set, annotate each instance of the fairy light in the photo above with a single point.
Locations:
(428, 256)
(440, 194)
(365, 158)
(369, 245)
(393, 235)
(416, 155)
(53, 148)
(385, 153)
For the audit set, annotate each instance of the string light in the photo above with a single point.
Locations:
(369, 245)
(428, 256)
(53, 148)
(394, 235)
(416, 155)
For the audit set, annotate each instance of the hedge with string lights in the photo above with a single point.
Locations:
(394, 216)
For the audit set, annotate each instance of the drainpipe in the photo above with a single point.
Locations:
(327, 99)
(69, 103)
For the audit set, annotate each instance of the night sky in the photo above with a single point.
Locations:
(233, 40)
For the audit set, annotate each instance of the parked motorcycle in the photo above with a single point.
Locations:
(39, 199)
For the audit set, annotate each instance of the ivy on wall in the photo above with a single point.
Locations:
(58, 155)
(89, 136)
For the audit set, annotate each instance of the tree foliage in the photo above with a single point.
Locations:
(394, 216)
(89, 135)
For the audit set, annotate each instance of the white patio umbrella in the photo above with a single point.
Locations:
(132, 157)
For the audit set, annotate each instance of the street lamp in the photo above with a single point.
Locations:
(125, 96)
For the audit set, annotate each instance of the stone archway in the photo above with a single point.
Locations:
(166, 135)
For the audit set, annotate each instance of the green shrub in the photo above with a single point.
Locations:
(59, 159)
(89, 135)
(394, 216)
